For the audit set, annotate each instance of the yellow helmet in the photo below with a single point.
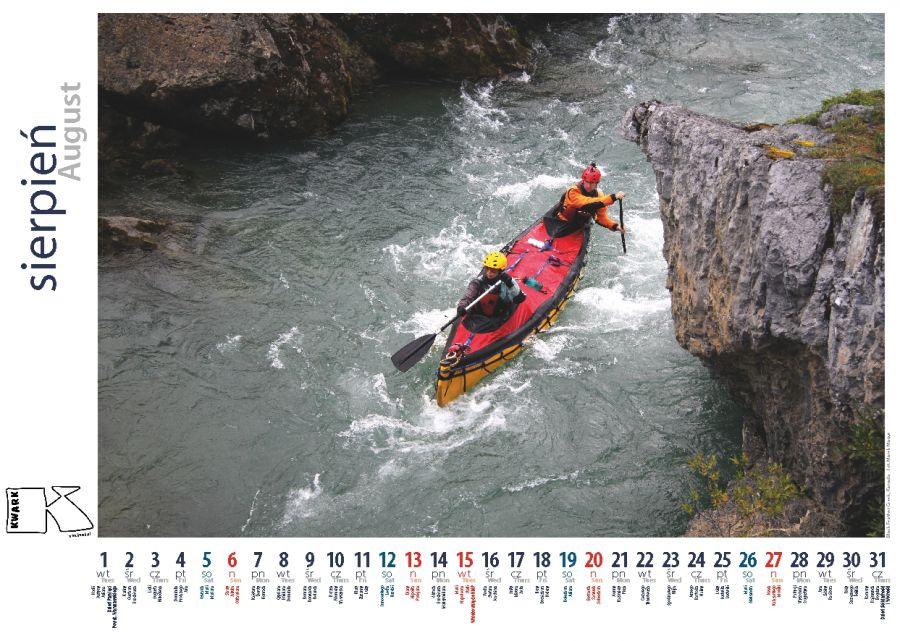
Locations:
(495, 260)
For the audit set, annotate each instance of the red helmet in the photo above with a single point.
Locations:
(591, 174)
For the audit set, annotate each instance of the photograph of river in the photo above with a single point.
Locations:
(244, 374)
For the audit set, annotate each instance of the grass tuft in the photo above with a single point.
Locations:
(856, 156)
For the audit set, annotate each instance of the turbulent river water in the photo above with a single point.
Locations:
(245, 386)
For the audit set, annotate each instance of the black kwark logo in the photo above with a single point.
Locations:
(27, 509)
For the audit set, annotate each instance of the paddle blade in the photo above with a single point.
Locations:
(412, 353)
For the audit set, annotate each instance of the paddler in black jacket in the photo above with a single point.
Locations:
(499, 301)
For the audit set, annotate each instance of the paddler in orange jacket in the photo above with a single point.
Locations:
(583, 201)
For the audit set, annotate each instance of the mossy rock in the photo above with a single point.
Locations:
(856, 155)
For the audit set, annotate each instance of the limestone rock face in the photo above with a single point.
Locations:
(168, 79)
(454, 46)
(259, 76)
(782, 301)
(274, 76)
(841, 111)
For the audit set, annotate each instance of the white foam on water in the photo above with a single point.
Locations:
(301, 502)
(644, 260)
(379, 388)
(527, 485)
(252, 509)
(390, 470)
(478, 111)
(629, 91)
(605, 52)
(519, 192)
(614, 311)
(548, 348)
(453, 255)
(424, 322)
(231, 344)
(283, 281)
(600, 55)
(644, 232)
(370, 295)
(612, 27)
(369, 334)
(435, 431)
(548, 109)
(567, 369)
(422, 442)
(521, 77)
(363, 388)
(485, 90)
(291, 338)
(510, 381)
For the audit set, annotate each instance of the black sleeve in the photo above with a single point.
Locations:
(592, 208)
(473, 291)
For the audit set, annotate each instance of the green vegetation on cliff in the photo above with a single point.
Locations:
(874, 99)
(865, 452)
(856, 156)
(756, 493)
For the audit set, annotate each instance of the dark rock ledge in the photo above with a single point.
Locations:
(271, 77)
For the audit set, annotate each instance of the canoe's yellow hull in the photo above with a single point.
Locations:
(452, 382)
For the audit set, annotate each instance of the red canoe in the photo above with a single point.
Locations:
(548, 274)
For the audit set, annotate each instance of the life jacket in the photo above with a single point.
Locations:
(568, 214)
(497, 301)
(488, 304)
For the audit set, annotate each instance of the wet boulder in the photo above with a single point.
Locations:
(238, 75)
(455, 46)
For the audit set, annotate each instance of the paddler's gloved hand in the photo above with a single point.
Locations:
(506, 279)
(461, 310)
(519, 298)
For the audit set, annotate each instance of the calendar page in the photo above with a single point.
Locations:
(499, 324)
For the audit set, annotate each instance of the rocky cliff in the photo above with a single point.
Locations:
(163, 77)
(233, 75)
(456, 46)
(780, 297)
